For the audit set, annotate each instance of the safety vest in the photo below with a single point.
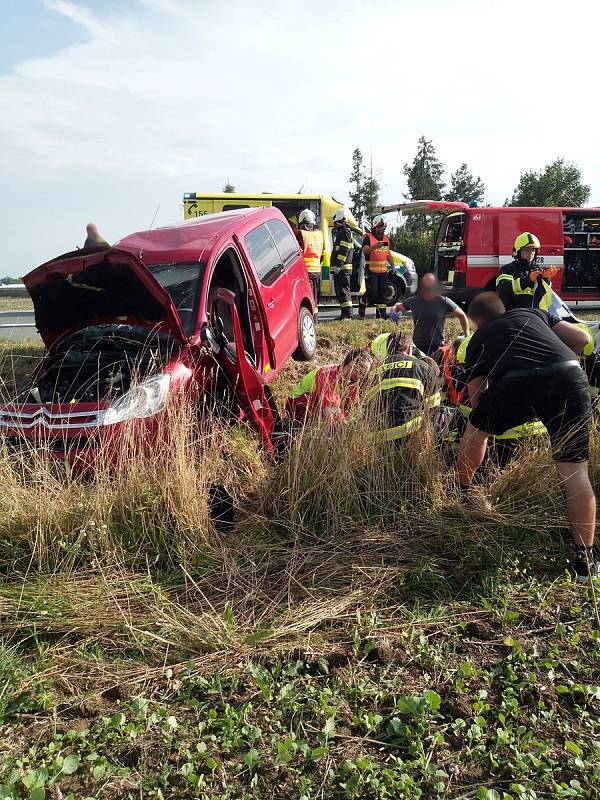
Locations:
(454, 395)
(312, 250)
(378, 259)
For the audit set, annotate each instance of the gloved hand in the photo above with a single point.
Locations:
(534, 275)
(335, 270)
(550, 272)
(395, 316)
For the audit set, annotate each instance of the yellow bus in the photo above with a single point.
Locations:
(403, 282)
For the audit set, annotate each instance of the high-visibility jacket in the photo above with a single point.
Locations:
(406, 386)
(377, 260)
(379, 347)
(516, 290)
(318, 391)
(343, 248)
(312, 249)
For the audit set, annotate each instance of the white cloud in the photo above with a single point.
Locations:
(81, 16)
(168, 96)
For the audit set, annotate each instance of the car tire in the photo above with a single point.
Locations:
(307, 337)
(396, 291)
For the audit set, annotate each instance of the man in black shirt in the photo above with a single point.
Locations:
(529, 357)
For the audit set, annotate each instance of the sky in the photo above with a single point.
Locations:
(112, 109)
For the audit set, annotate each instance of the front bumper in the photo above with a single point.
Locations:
(73, 434)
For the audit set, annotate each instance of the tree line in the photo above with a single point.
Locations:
(557, 184)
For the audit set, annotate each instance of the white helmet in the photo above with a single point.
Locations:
(379, 218)
(340, 215)
(307, 216)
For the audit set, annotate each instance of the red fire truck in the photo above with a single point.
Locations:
(472, 244)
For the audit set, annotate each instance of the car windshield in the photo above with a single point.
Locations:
(182, 281)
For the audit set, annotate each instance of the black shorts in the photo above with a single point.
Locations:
(560, 400)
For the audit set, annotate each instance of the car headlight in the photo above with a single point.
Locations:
(141, 401)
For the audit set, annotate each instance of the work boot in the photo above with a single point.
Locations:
(362, 310)
(585, 564)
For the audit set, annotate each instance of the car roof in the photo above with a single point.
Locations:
(193, 239)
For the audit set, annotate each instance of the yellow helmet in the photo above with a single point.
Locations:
(525, 239)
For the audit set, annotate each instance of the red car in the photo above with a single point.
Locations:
(221, 300)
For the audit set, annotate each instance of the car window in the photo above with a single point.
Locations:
(286, 243)
(182, 281)
(264, 254)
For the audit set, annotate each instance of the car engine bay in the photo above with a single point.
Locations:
(98, 363)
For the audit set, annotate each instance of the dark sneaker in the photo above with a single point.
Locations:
(585, 564)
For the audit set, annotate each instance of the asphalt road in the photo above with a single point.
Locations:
(17, 326)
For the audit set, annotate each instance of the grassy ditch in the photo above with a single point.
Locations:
(358, 635)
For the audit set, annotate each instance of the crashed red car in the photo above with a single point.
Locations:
(182, 309)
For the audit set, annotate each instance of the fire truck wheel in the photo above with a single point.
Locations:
(307, 336)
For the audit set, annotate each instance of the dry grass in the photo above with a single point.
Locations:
(127, 560)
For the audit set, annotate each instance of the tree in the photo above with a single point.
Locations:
(424, 175)
(558, 184)
(372, 202)
(357, 177)
(424, 180)
(229, 188)
(465, 187)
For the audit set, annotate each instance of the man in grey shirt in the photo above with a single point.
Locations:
(429, 309)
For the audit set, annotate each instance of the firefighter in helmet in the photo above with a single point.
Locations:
(311, 242)
(378, 262)
(341, 261)
(523, 283)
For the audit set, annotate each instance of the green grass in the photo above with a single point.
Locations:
(360, 635)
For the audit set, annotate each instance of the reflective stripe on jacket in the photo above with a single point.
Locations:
(343, 248)
(377, 260)
(406, 387)
(516, 290)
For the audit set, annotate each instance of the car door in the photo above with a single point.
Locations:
(251, 393)
(273, 251)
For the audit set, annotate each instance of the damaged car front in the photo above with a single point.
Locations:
(118, 339)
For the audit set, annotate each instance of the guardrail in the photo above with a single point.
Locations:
(13, 290)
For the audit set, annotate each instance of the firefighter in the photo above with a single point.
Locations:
(528, 359)
(330, 391)
(406, 387)
(523, 283)
(378, 262)
(379, 347)
(501, 447)
(93, 238)
(311, 242)
(341, 261)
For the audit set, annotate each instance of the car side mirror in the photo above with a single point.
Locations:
(208, 338)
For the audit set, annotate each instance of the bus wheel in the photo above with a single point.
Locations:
(396, 291)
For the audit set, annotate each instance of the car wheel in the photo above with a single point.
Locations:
(396, 290)
(307, 336)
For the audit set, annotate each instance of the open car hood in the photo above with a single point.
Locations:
(86, 287)
(426, 207)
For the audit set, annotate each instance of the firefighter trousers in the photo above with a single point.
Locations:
(376, 295)
(341, 283)
(315, 285)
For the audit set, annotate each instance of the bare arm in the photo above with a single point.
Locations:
(476, 388)
(462, 318)
(400, 308)
(571, 335)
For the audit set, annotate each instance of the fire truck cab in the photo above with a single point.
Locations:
(472, 244)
